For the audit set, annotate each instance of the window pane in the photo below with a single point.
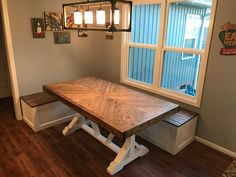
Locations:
(205, 31)
(180, 75)
(188, 24)
(145, 24)
(141, 64)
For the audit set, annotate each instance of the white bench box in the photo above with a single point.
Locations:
(173, 133)
(41, 111)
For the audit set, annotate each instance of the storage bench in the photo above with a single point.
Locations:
(174, 133)
(41, 111)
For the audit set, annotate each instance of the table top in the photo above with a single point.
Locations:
(118, 109)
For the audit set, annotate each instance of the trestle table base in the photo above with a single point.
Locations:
(126, 154)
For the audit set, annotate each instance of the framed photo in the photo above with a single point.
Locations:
(38, 28)
(62, 38)
(53, 21)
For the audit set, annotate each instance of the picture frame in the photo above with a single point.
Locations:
(38, 27)
(62, 37)
(53, 21)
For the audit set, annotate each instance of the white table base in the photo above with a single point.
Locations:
(126, 154)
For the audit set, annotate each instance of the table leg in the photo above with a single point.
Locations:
(129, 152)
(74, 125)
(126, 154)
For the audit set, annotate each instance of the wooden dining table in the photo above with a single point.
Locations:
(122, 111)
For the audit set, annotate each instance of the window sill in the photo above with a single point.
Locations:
(193, 101)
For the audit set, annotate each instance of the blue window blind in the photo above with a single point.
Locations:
(145, 24)
(141, 64)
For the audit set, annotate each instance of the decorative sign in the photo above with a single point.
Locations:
(228, 39)
(53, 21)
(38, 28)
(62, 38)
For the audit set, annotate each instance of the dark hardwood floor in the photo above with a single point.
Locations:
(48, 154)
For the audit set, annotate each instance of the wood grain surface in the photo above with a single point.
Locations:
(25, 153)
(38, 99)
(120, 110)
(180, 118)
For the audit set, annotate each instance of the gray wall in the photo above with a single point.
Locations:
(217, 121)
(218, 109)
(40, 61)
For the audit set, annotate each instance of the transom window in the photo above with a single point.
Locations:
(167, 49)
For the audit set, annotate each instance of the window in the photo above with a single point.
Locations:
(167, 49)
(192, 31)
(143, 42)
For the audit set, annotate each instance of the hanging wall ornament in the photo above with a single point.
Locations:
(53, 21)
(38, 28)
(228, 39)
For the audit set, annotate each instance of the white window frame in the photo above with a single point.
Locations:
(192, 37)
(159, 53)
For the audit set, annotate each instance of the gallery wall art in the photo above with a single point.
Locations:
(38, 28)
(53, 21)
(228, 39)
(62, 37)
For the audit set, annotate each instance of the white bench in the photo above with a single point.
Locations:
(41, 111)
(173, 133)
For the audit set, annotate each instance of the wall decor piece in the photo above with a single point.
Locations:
(82, 33)
(228, 39)
(38, 28)
(53, 21)
(109, 35)
(62, 38)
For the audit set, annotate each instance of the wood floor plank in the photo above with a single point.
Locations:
(27, 166)
(48, 153)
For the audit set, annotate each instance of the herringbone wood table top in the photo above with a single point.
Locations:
(120, 110)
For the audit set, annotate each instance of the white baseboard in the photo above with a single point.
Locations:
(216, 147)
